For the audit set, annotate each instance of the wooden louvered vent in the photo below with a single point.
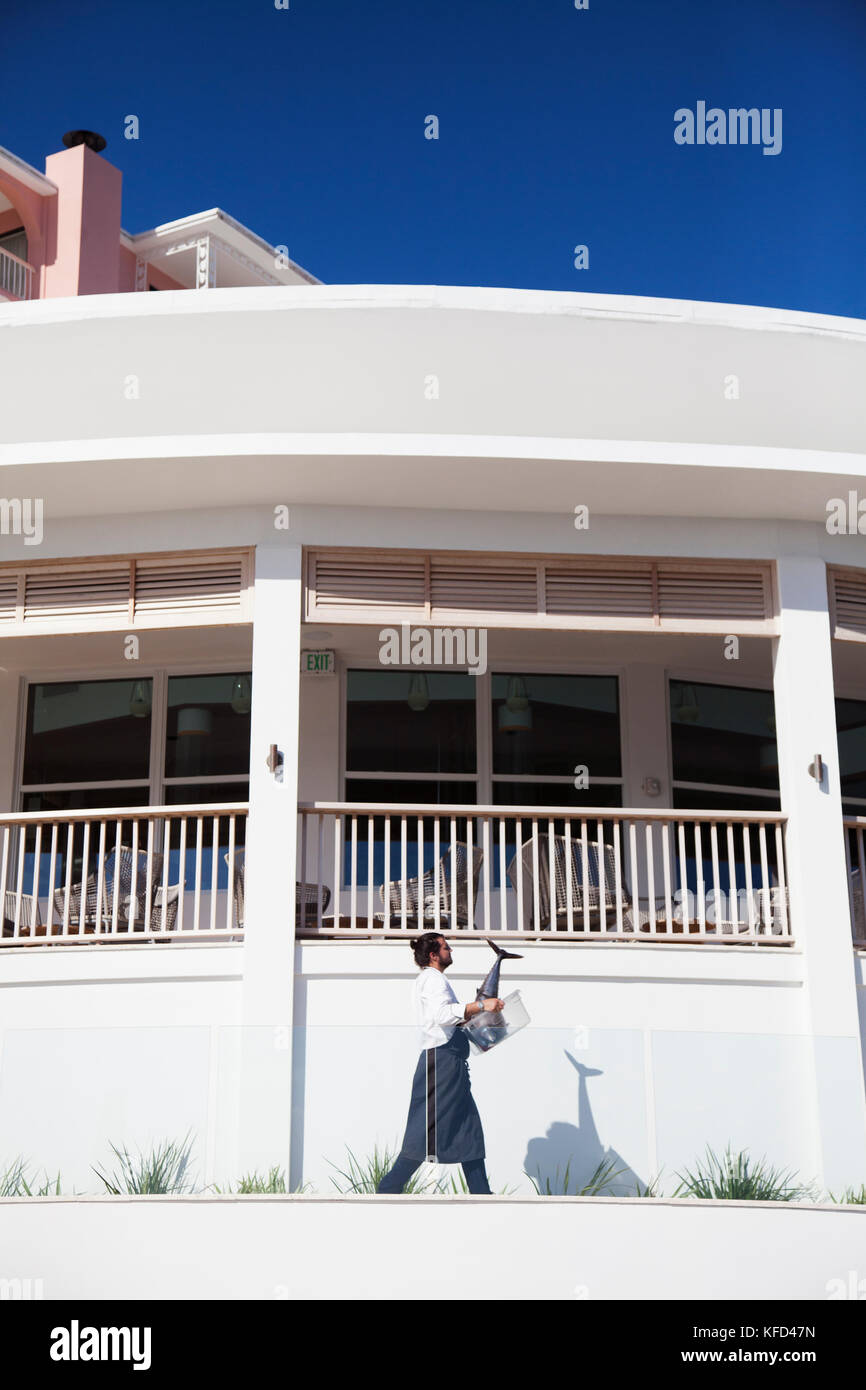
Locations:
(152, 591)
(848, 604)
(358, 582)
(67, 596)
(188, 586)
(469, 586)
(389, 586)
(8, 599)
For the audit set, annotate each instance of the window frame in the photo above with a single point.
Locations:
(157, 781)
(484, 777)
(846, 691)
(677, 784)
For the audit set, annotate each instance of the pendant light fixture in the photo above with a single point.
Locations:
(139, 700)
(193, 722)
(686, 705)
(419, 692)
(242, 695)
(515, 715)
(517, 698)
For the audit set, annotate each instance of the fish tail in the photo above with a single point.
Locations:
(501, 953)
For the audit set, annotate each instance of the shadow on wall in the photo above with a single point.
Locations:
(575, 1151)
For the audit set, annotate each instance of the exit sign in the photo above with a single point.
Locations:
(317, 664)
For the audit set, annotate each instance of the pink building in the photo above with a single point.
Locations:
(61, 234)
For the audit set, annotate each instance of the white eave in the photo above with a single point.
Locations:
(218, 223)
(26, 174)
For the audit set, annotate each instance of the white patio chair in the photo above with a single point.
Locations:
(29, 915)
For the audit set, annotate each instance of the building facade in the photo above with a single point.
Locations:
(334, 613)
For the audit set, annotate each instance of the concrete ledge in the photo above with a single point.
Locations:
(367, 1247)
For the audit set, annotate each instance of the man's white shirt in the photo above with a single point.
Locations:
(437, 1008)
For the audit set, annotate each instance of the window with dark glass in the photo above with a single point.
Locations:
(88, 746)
(544, 727)
(724, 758)
(723, 741)
(82, 733)
(851, 733)
(88, 743)
(208, 726)
(419, 722)
(410, 739)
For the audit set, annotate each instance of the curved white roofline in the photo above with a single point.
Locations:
(482, 299)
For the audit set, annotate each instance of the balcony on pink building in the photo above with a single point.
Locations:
(61, 235)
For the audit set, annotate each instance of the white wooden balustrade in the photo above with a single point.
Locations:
(371, 869)
(145, 873)
(125, 874)
(16, 276)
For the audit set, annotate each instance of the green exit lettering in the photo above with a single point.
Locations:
(318, 663)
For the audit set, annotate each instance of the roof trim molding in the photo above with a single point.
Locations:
(215, 222)
(26, 174)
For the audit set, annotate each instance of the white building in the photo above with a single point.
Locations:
(627, 507)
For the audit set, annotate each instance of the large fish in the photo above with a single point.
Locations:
(487, 1029)
(490, 988)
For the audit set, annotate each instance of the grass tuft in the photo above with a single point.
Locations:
(273, 1181)
(734, 1177)
(558, 1186)
(851, 1197)
(364, 1175)
(15, 1181)
(164, 1168)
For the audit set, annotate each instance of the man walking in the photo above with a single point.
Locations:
(443, 1125)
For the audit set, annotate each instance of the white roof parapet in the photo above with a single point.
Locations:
(232, 236)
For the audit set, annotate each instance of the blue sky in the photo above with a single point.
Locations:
(556, 129)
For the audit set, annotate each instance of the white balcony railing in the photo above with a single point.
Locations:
(364, 870)
(127, 874)
(372, 869)
(855, 857)
(16, 276)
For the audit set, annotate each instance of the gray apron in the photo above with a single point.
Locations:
(443, 1125)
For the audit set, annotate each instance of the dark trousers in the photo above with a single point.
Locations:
(473, 1170)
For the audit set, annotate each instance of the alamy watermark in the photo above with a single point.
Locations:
(22, 516)
(434, 646)
(846, 517)
(736, 126)
(853, 1287)
(21, 1290)
(77, 1343)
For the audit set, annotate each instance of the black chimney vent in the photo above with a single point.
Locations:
(84, 137)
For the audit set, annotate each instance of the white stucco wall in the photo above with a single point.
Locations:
(635, 1053)
(545, 1249)
(104, 1045)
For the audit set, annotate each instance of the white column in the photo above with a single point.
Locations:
(643, 720)
(820, 916)
(269, 887)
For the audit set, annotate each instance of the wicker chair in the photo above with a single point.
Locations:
(450, 886)
(131, 905)
(585, 887)
(770, 910)
(29, 916)
(306, 894)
